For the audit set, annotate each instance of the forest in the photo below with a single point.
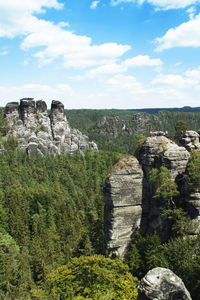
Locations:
(51, 217)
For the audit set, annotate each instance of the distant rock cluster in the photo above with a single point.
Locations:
(40, 133)
(129, 205)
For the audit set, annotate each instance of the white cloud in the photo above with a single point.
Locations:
(5, 52)
(94, 4)
(127, 83)
(175, 81)
(57, 42)
(142, 61)
(16, 15)
(193, 74)
(185, 35)
(160, 4)
(62, 92)
(191, 11)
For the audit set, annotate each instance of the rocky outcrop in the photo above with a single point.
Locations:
(161, 151)
(190, 140)
(162, 284)
(39, 133)
(156, 152)
(123, 204)
(129, 204)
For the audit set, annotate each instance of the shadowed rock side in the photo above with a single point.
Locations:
(123, 200)
(39, 133)
(156, 152)
(162, 284)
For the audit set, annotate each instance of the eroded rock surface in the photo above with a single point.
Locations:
(161, 151)
(190, 140)
(162, 284)
(123, 204)
(156, 152)
(40, 133)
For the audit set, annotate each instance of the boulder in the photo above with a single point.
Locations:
(162, 284)
(123, 204)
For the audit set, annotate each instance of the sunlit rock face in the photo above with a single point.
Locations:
(190, 140)
(162, 284)
(154, 153)
(123, 204)
(161, 151)
(39, 133)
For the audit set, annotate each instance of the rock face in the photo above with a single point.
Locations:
(162, 284)
(161, 151)
(129, 204)
(123, 204)
(156, 152)
(40, 133)
(190, 140)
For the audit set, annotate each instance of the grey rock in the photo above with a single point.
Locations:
(12, 107)
(162, 284)
(190, 140)
(41, 106)
(123, 204)
(39, 133)
(161, 151)
(154, 153)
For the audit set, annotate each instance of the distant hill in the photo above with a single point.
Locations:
(173, 109)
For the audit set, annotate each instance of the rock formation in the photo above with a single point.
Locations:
(129, 204)
(154, 153)
(190, 140)
(40, 133)
(123, 203)
(162, 284)
(161, 151)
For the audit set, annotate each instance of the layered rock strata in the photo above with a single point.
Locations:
(156, 152)
(39, 133)
(161, 151)
(123, 204)
(162, 284)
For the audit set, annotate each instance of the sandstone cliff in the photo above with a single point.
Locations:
(41, 133)
(129, 204)
(123, 203)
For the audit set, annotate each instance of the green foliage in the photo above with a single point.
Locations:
(194, 171)
(139, 251)
(111, 136)
(181, 225)
(180, 129)
(139, 142)
(182, 256)
(4, 127)
(164, 188)
(52, 208)
(92, 277)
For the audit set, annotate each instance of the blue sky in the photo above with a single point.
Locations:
(102, 53)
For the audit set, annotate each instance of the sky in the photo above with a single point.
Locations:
(101, 54)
